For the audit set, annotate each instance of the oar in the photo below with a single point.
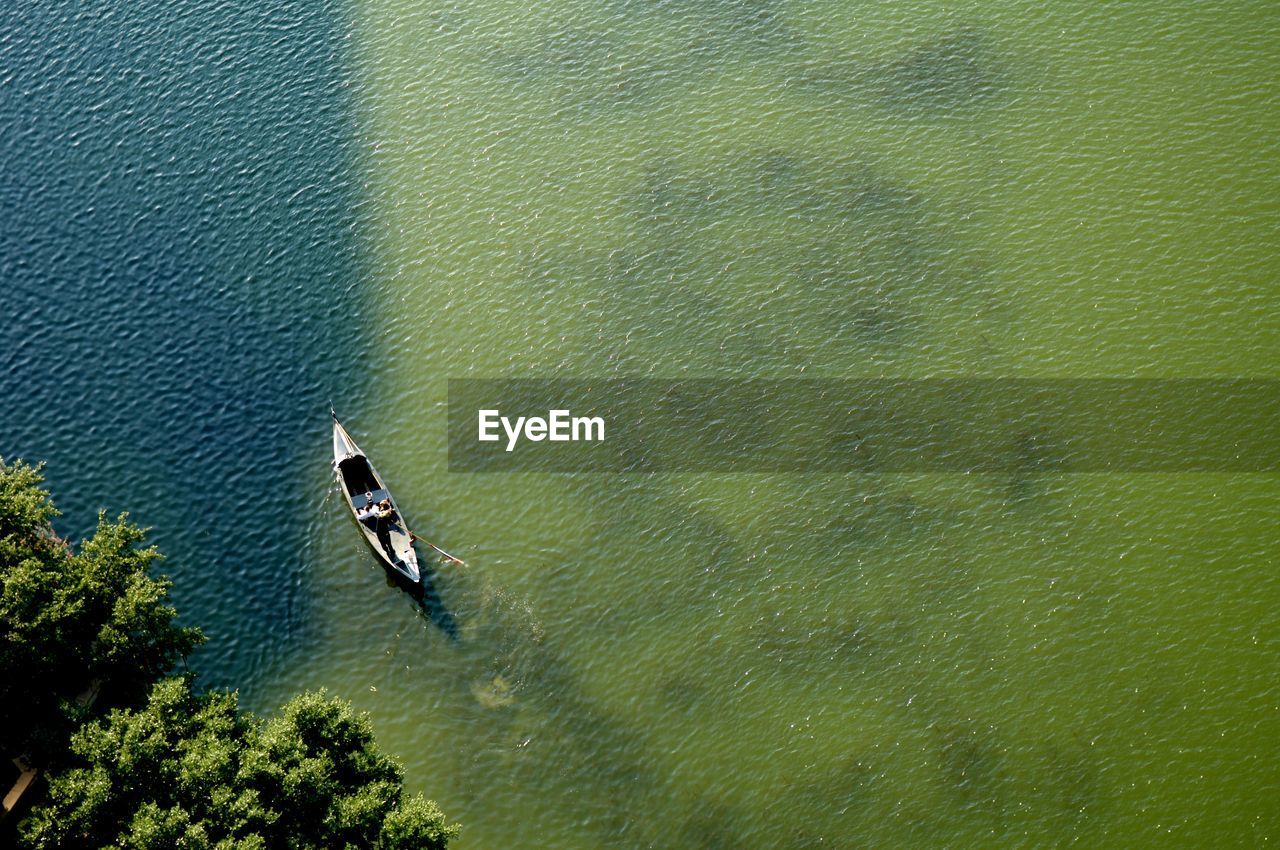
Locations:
(443, 553)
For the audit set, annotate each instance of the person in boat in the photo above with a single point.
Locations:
(378, 520)
(386, 517)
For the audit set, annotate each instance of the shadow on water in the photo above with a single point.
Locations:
(176, 236)
(433, 607)
(425, 595)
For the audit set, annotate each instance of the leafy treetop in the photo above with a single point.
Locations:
(192, 771)
(69, 619)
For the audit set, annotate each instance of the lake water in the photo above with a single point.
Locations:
(215, 220)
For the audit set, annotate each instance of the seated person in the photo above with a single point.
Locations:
(378, 520)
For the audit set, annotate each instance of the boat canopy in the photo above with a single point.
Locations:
(357, 476)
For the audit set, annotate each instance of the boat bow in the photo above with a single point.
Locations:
(343, 446)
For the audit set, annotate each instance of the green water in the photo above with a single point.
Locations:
(702, 187)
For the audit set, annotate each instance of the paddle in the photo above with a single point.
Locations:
(443, 553)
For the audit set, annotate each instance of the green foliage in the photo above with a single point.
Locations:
(416, 823)
(183, 770)
(68, 619)
(192, 771)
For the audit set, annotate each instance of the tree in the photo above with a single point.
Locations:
(167, 767)
(69, 619)
(193, 771)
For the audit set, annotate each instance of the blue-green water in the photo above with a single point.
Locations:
(182, 287)
(215, 219)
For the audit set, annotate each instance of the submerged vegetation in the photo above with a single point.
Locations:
(86, 633)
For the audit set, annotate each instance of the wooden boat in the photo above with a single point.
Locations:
(362, 487)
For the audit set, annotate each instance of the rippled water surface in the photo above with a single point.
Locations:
(214, 228)
(183, 288)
